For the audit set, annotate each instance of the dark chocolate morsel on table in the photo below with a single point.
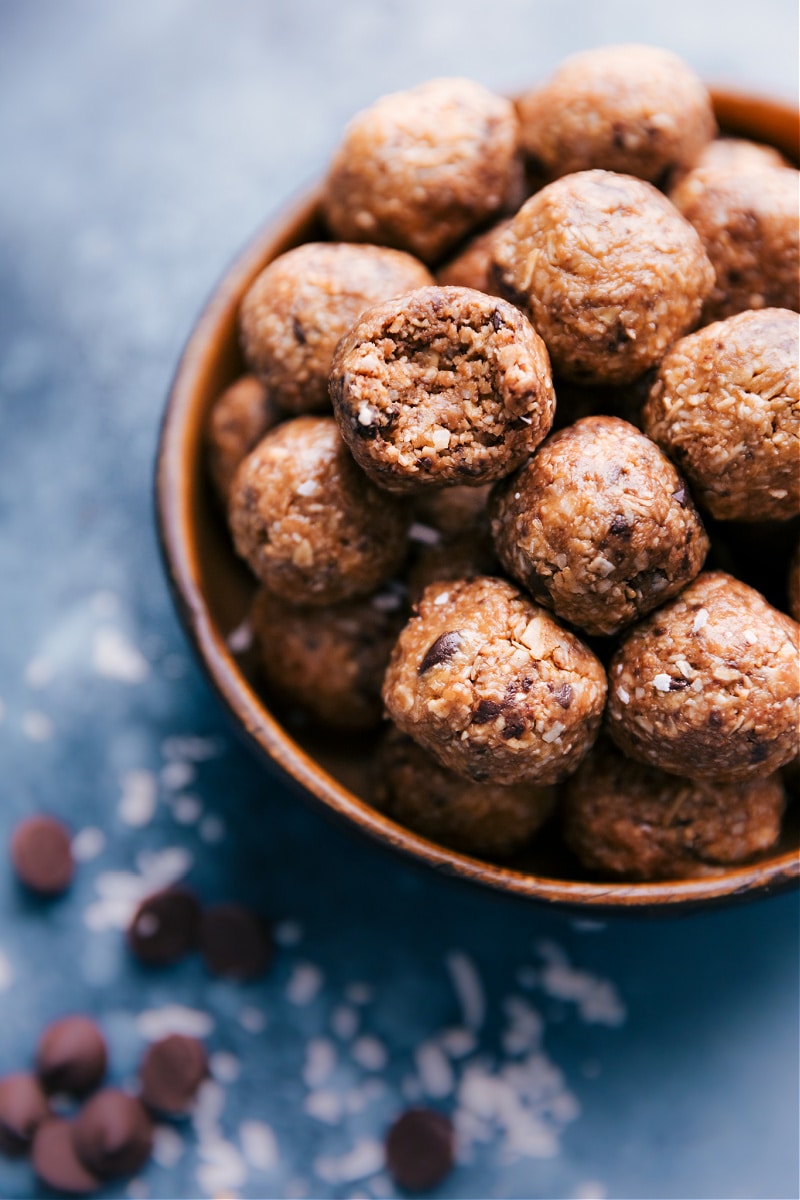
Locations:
(23, 1107)
(56, 1162)
(171, 1072)
(41, 854)
(420, 1148)
(71, 1056)
(113, 1134)
(235, 942)
(164, 927)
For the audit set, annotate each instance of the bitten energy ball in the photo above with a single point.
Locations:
(421, 169)
(311, 527)
(708, 686)
(442, 386)
(480, 818)
(492, 686)
(608, 271)
(304, 302)
(747, 221)
(634, 109)
(598, 526)
(472, 267)
(238, 420)
(627, 819)
(726, 407)
(329, 661)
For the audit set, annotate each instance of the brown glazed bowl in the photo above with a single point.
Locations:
(212, 590)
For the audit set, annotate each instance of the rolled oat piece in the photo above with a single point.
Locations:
(626, 819)
(609, 273)
(411, 787)
(794, 584)
(330, 662)
(238, 420)
(598, 526)
(747, 221)
(303, 302)
(308, 523)
(442, 386)
(725, 406)
(639, 110)
(421, 169)
(472, 267)
(708, 686)
(492, 686)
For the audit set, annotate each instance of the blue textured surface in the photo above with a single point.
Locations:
(141, 144)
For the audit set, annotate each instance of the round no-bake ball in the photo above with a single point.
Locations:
(480, 818)
(309, 524)
(623, 818)
(726, 407)
(741, 154)
(444, 385)
(609, 272)
(238, 420)
(708, 686)
(492, 686)
(300, 305)
(598, 526)
(747, 221)
(639, 110)
(421, 169)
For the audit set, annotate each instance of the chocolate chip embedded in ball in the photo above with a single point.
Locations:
(609, 272)
(238, 420)
(420, 1149)
(171, 1072)
(71, 1056)
(23, 1108)
(441, 386)
(235, 942)
(56, 1162)
(164, 928)
(41, 855)
(708, 686)
(113, 1134)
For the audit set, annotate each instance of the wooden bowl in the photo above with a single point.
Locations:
(212, 591)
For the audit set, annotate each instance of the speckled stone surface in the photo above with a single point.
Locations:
(141, 145)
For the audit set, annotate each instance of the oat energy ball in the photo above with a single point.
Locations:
(421, 169)
(708, 686)
(638, 110)
(444, 385)
(480, 818)
(328, 661)
(598, 526)
(311, 527)
(623, 818)
(726, 407)
(238, 420)
(304, 302)
(453, 510)
(747, 221)
(741, 154)
(492, 686)
(608, 271)
(473, 266)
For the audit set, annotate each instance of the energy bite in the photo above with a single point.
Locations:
(609, 273)
(444, 385)
(747, 221)
(329, 661)
(639, 110)
(726, 407)
(300, 305)
(492, 686)
(472, 267)
(420, 169)
(708, 686)
(480, 818)
(452, 511)
(238, 420)
(632, 820)
(311, 527)
(598, 526)
(741, 154)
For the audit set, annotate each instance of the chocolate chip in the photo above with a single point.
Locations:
(71, 1056)
(56, 1162)
(497, 320)
(41, 855)
(620, 527)
(420, 1149)
(298, 331)
(679, 495)
(445, 646)
(677, 685)
(513, 728)
(113, 1134)
(235, 942)
(165, 926)
(171, 1072)
(23, 1107)
(563, 695)
(486, 711)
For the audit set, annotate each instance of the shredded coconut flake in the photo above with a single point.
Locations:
(623, 695)
(88, 843)
(115, 657)
(553, 733)
(661, 683)
(700, 620)
(434, 1070)
(365, 1159)
(320, 1062)
(425, 534)
(168, 1146)
(304, 983)
(156, 1023)
(370, 1053)
(259, 1145)
(468, 987)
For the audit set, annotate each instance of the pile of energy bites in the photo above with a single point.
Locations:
(529, 607)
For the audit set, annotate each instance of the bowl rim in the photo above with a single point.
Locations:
(264, 733)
